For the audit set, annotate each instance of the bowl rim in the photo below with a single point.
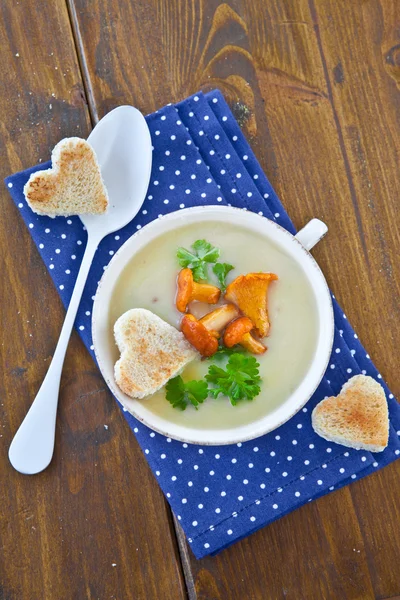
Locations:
(181, 217)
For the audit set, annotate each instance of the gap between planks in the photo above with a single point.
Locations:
(176, 530)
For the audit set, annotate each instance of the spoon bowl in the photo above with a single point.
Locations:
(123, 148)
(122, 144)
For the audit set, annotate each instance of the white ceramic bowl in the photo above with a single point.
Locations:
(295, 246)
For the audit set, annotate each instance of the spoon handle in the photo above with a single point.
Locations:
(32, 447)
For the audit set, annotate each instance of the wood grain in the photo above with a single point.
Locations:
(95, 524)
(321, 81)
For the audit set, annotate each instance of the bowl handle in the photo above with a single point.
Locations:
(311, 233)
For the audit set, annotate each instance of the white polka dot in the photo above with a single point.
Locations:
(252, 519)
(173, 137)
(375, 464)
(329, 449)
(41, 246)
(183, 157)
(155, 182)
(294, 442)
(157, 132)
(223, 493)
(51, 267)
(229, 477)
(206, 117)
(363, 458)
(267, 470)
(47, 230)
(206, 545)
(201, 132)
(229, 532)
(245, 481)
(184, 500)
(249, 195)
(184, 445)
(166, 201)
(297, 494)
(256, 177)
(272, 453)
(161, 168)
(397, 452)
(206, 489)
(274, 506)
(349, 370)
(238, 175)
(289, 458)
(31, 227)
(251, 465)
(240, 498)
(311, 446)
(81, 327)
(332, 366)
(212, 473)
(167, 153)
(219, 199)
(195, 467)
(196, 98)
(190, 483)
(20, 205)
(224, 118)
(234, 460)
(163, 456)
(217, 510)
(9, 184)
(284, 474)
(181, 206)
(320, 482)
(187, 191)
(262, 486)
(305, 409)
(306, 462)
(61, 288)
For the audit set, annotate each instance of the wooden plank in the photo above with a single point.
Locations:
(300, 69)
(95, 524)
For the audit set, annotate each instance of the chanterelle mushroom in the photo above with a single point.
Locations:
(238, 332)
(189, 290)
(203, 334)
(249, 293)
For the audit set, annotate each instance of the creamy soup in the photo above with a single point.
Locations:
(149, 281)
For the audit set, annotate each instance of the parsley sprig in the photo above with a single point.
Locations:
(240, 380)
(221, 270)
(203, 254)
(180, 393)
(200, 255)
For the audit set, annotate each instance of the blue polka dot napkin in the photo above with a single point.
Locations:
(219, 494)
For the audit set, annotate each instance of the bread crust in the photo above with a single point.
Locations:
(72, 186)
(357, 418)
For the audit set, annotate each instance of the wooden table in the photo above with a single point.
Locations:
(320, 80)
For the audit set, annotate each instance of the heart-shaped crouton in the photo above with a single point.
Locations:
(73, 186)
(152, 352)
(357, 417)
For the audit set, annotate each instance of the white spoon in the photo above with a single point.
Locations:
(123, 146)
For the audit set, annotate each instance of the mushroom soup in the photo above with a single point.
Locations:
(149, 281)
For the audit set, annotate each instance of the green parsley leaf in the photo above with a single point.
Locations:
(185, 258)
(204, 253)
(221, 270)
(239, 380)
(180, 394)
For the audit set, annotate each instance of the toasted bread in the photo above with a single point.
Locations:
(357, 417)
(152, 352)
(73, 186)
